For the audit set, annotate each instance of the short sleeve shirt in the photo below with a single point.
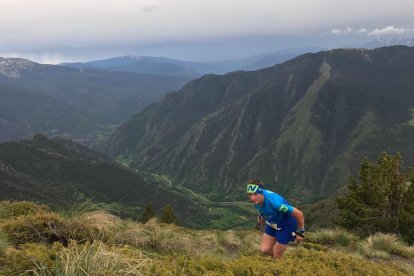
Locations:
(275, 208)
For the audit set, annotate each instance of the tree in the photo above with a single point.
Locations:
(381, 201)
(149, 212)
(168, 215)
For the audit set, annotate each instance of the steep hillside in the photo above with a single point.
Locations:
(303, 126)
(24, 113)
(59, 172)
(108, 97)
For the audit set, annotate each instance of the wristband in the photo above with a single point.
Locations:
(301, 230)
(301, 234)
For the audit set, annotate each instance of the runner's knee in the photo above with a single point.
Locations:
(266, 250)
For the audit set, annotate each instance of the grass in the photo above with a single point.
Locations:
(99, 243)
(382, 245)
(4, 243)
(337, 237)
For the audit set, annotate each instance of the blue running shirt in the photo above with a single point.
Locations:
(275, 208)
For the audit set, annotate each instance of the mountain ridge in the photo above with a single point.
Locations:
(307, 136)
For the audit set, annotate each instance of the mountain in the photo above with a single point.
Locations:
(172, 67)
(302, 126)
(24, 113)
(385, 42)
(146, 65)
(260, 61)
(59, 171)
(105, 98)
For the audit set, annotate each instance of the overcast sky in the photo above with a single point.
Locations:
(52, 31)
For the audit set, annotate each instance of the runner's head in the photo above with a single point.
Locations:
(255, 191)
(254, 186)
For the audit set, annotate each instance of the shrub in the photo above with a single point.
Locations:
(149, 213)
(381, 201)
(168, 215)
(11, 209)
(40, 227)
(28, 258)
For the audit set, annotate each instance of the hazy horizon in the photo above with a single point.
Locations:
(54, 31)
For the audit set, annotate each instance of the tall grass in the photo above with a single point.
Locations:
(91, 226)
(337, 237)
(4, 243)
(164, 238)
(95, 259)
(383, 245)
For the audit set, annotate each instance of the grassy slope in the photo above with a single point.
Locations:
(39, 242)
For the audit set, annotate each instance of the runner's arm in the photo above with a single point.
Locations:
(298, 215)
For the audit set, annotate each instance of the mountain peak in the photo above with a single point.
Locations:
(11, 67)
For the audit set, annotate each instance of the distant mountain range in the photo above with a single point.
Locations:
(386, 42)
(303, 126)
(172, 67)
(58, 100)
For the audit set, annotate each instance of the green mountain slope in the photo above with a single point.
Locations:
(25, 112)
(58, 171)
(80, 104)
(303, 126)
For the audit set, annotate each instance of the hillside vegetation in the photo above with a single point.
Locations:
(302, 126)
(81, 104)
(61, 173)
(37, 241)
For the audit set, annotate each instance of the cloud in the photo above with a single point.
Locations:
(344, 31)
(390, 30)
(361, 31)
(386, 31)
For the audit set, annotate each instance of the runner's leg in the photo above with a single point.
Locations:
(268, 243)
(279, 250)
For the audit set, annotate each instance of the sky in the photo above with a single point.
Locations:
(53, 31)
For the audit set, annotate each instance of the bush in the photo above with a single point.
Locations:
(11, 209)
(28, 258)
(40, 227)
(381, 201)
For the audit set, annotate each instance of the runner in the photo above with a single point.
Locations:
(284, 223)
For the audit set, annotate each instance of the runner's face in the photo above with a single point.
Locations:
(256, 198)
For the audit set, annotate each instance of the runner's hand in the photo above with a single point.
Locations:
(260, 220)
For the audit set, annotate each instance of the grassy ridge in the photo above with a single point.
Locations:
(37, 241)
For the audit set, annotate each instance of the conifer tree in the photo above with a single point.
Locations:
(381, 201)
(168, 215)
(149, 212)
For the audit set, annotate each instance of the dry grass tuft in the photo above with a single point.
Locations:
(164, 238)
(91, 226)
(100, 259)
(337, 237)
(389, 244)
